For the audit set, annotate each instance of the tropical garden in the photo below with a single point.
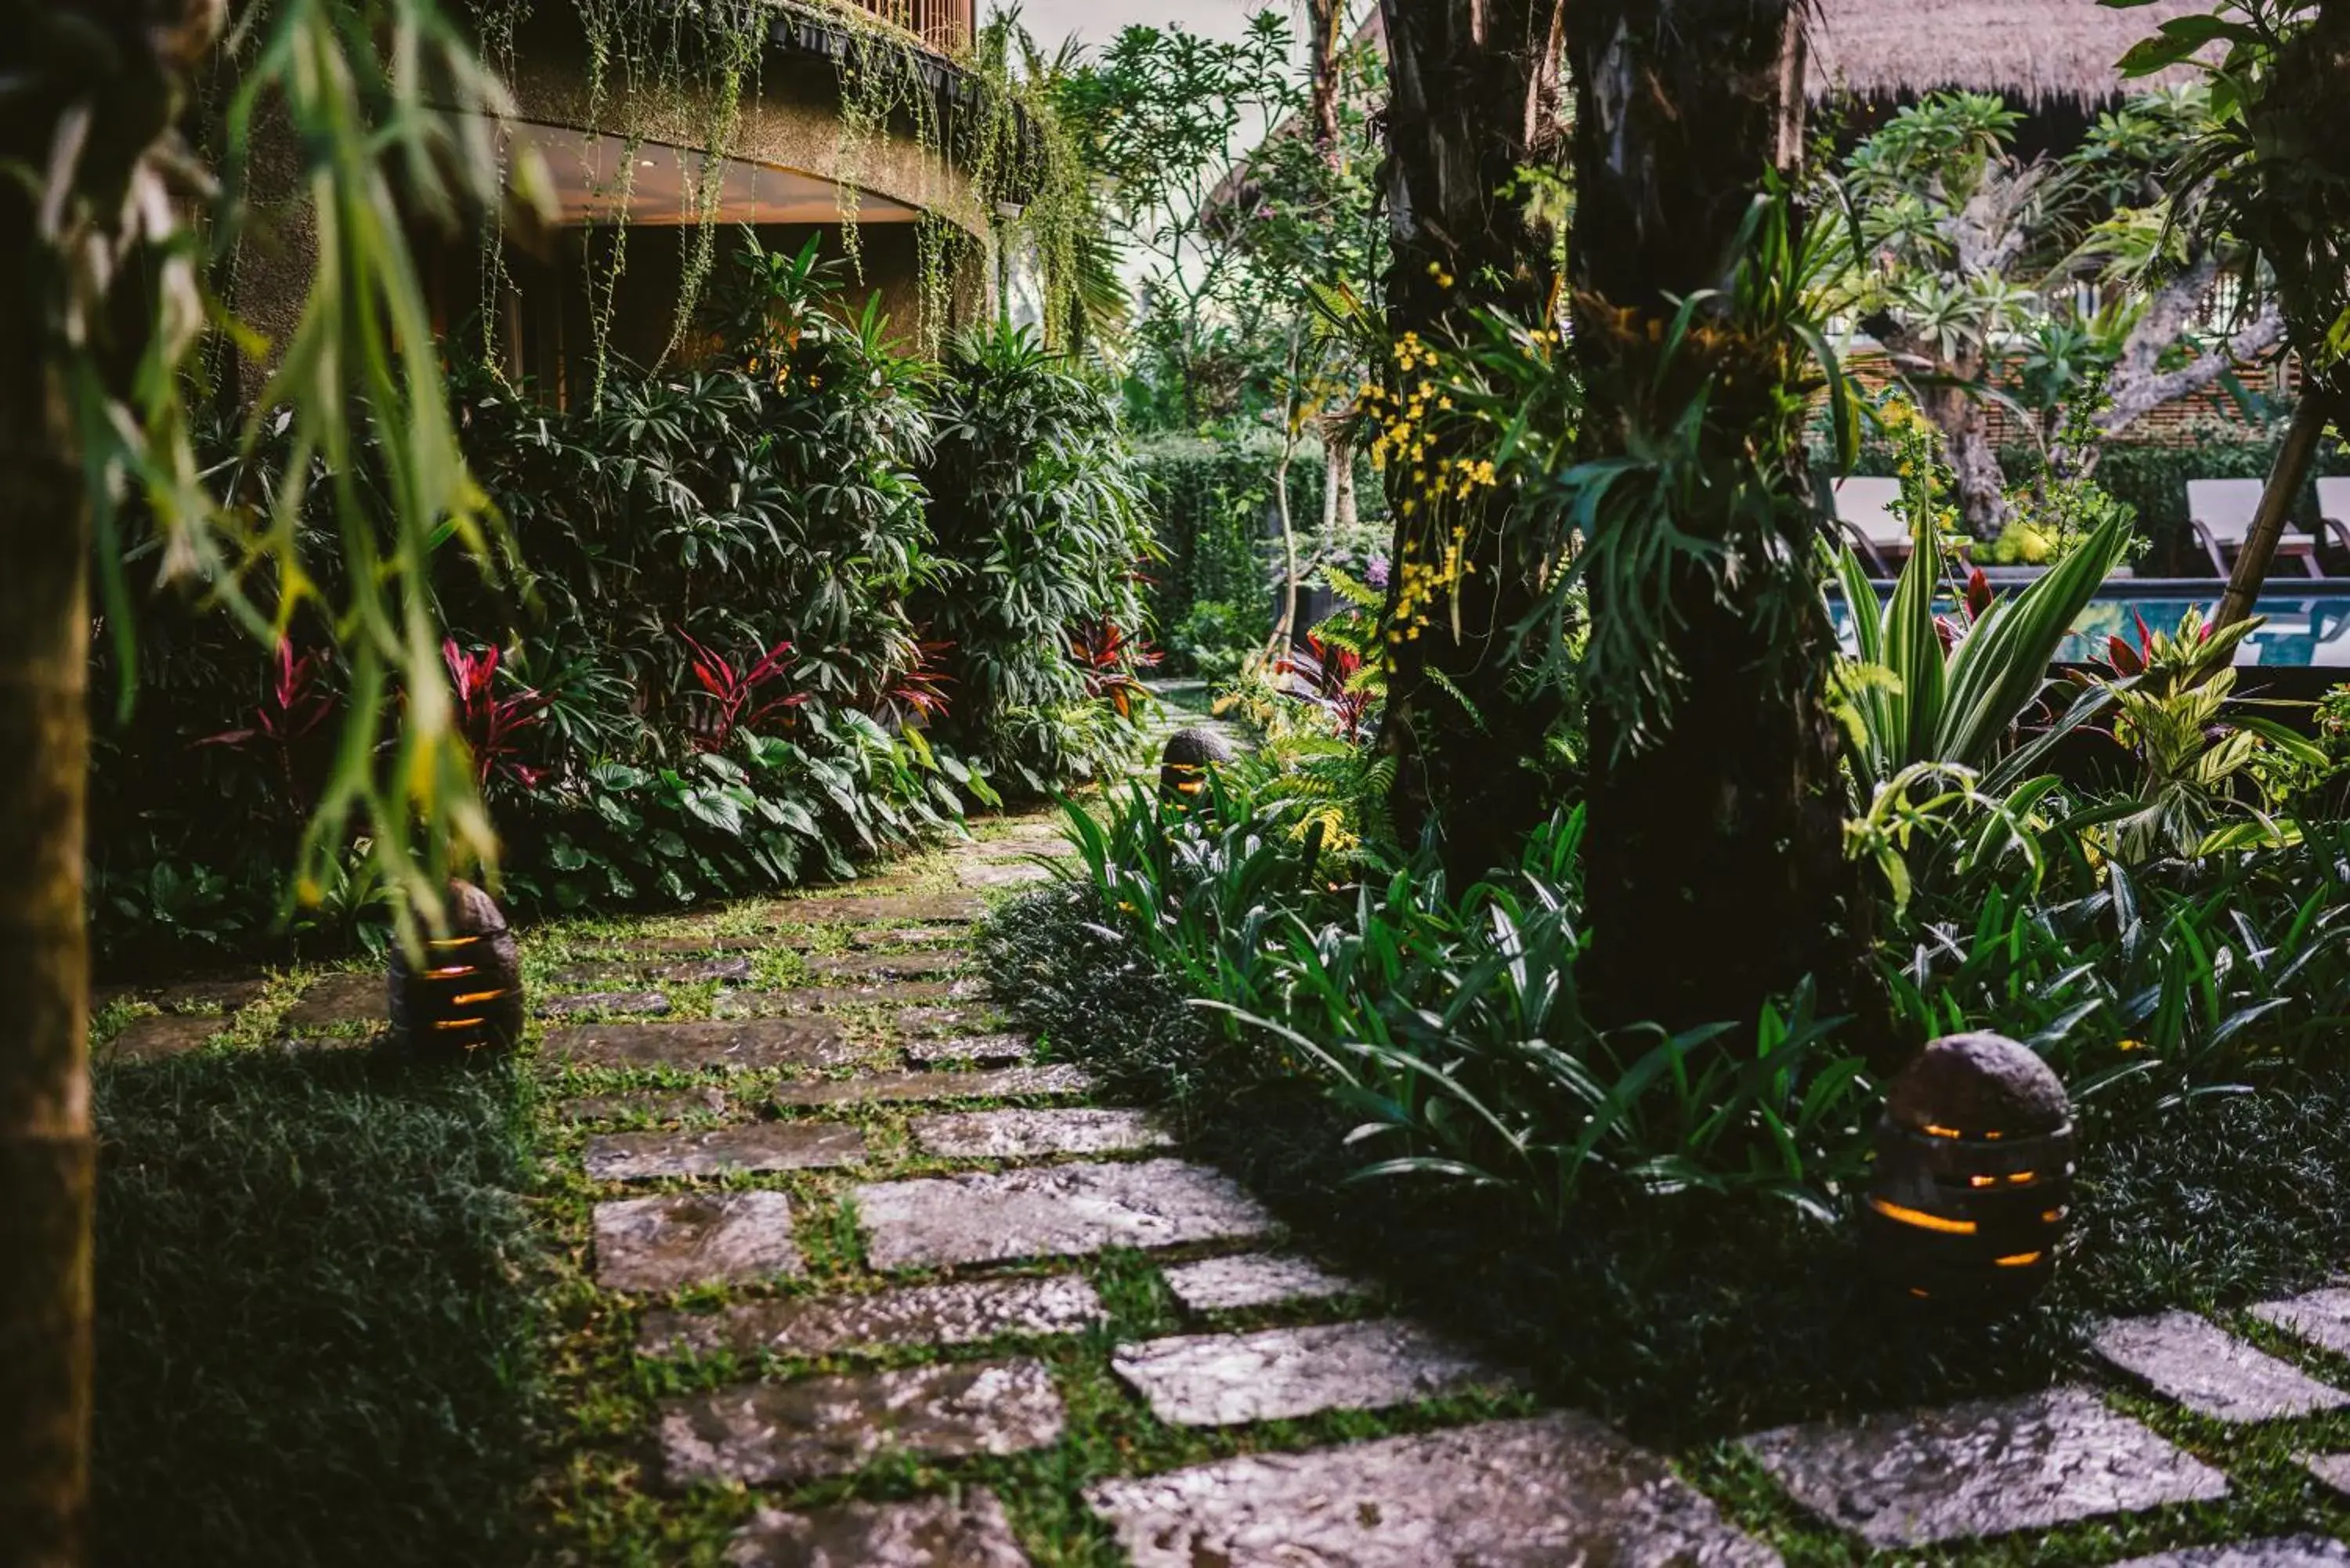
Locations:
(1445, 407)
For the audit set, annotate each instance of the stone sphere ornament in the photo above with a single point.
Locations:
(1973, 1180)
(468, 997)
(1184, 765)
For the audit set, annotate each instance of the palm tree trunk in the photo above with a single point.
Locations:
(1715, 875)
(47, 1159)
(1470, 103)
(2286, 477)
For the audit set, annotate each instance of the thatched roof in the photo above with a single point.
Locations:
(2030, 50)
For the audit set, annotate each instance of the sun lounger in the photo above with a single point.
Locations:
(2220, 512)
(1868, 512)
(2333, 509)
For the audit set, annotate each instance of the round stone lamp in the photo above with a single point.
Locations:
(1975, 1175)
(468, 996)
(1184, 765)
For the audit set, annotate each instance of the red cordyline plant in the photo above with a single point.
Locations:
(490, 723)
(732, 696)
(1109, 657)
(298, 701)
(920, 691)
(1324, 674)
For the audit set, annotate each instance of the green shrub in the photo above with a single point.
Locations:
(703, 678)
(1215, 635)
(316, 1344)
(1035, 501)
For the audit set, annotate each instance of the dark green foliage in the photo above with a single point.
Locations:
(1693, 1315)
(721, 653)
(1034, 497)
(1208, 501)
(315, 1335)
(1450, 1029)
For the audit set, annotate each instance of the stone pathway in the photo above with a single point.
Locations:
(852, 1237)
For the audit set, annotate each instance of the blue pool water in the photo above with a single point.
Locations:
(2302, 629)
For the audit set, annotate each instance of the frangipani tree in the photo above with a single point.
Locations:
(1968, 264)
(2272, 167)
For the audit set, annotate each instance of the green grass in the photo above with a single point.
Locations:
(358, 1296)
(316, 1332)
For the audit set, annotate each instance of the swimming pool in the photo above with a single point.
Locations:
(2308, 625)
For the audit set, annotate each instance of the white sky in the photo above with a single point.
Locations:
(1095, 22)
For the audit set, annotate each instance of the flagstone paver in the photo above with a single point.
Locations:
(760, 1145)
(826, 998)
(944, 1022)
(1558, 1488)
(2333, 1470)
(680, 972)
(1002, 873)
(646, 1105)
(762, 1433)
(153, 1036)
(1227, 1379)
(726, 1042)
(907, 937)
(980, 1050)
(901, 963)
(683, 1239)
(1989, 1467)
(1252, 1279)
(1004, 1083)
(963, 1313)
(1063, 1210)
(1021, 1134)
(930, 1532)
(2320, 1317)
(361, 997)
(2286, 1551)
(619, 1004)
(691, 943)
(2194, 1361)
(910, 908)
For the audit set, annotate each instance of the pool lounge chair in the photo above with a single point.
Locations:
(2220, 512)
(1867, 511)
(2333, 509)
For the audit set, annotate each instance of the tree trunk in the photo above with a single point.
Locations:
(1471, 85)
(1981, 485)
(1325, 21)
(1715, 876)
(2286, 477)
(47, 1160)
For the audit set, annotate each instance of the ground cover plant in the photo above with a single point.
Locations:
(317, 1333)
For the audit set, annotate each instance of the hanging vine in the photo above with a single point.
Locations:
(989, 150)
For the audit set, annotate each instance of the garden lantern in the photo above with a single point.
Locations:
(1974, 1174)
(1184, 765)
(468, 996)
